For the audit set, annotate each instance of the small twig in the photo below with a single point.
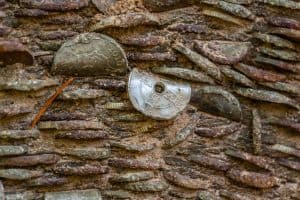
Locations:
(50, 101)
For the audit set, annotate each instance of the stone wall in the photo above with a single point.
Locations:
(238, 138)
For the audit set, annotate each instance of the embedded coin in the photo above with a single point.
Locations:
(157, 97)
(90, 54)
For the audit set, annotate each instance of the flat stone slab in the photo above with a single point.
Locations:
(91, 194)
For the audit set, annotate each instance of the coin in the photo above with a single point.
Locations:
(157, 97)
(90, 54)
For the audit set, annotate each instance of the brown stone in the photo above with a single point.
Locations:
(103, 5)
(284, 22)
(253, 179)
(163, 5)
(71, 125)
(134, 163)
(10, 108)
(2, 4)
(284, 122)
(290, 164)
(47, 180)
(185, 181)
(259, 74)
(217, 131)
(223, 52)
(210, 162)
(31, 160)
(83, 135)
(216, 100)
(259, 161)
(4, 30)
(53, 116)
(79, 168)
(55, 35)
(12, 51)
(126, 21)
(141, 56)
(20, 174)
(2, 195)
(293, 67)
(30, 13)
(147, 186)
(52, 5)
(189, 28)
(144, 40)
(110, 84)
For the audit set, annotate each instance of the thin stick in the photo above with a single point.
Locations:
(50, 101)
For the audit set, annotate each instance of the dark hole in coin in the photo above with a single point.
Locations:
(159, 87)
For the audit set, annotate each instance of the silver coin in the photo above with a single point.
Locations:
(157, 97)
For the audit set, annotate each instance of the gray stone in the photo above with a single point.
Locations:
(268, 96)
(19, 174)
(127, 20)
(217, 101)
(132, 177)
(26, 84)
(47, 180)
(90, 54)
(89, 153)
(133, 147)
(103, 5)
(19, 134)
(83, 94)
(185, 181)
(1, 191)
(223, 52)
(27, 195)
(71, 125)
(147, 186)
(91, 194)
(10, 108)
(117, 194)
(12, 150)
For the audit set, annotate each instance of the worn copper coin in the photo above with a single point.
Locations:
(157, 97)
(90, 54)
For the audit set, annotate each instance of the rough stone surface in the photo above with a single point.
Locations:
(12, 150)
(76, 194)
(240, 57)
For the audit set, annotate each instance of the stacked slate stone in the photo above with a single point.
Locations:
(237, 139)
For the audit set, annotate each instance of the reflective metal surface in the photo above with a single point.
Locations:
(157, 97)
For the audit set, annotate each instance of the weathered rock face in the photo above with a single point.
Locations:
(236, 138)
